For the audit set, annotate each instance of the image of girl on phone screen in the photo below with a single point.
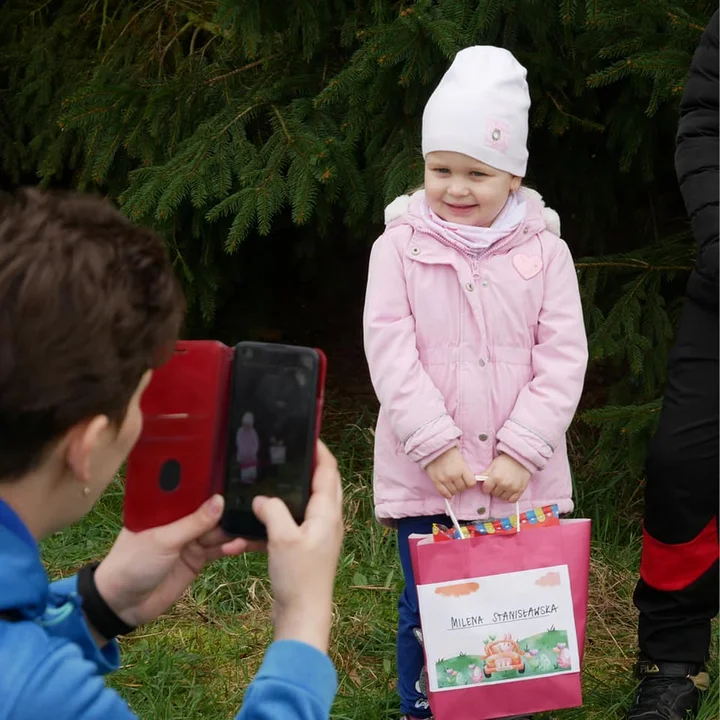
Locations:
(248, 445)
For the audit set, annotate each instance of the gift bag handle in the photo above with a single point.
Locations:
(454, 519)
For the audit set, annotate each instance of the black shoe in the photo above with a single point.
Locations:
(667, 690)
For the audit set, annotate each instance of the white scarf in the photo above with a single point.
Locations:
(476, 239)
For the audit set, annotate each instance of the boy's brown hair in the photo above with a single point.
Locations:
(88, 303)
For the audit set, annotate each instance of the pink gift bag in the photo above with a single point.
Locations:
(503, 620)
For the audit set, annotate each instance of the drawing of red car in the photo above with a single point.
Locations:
(503, 655)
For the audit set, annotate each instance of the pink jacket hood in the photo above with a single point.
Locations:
(408, 206)
(484, 351)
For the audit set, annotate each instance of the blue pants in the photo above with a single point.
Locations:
(412, 679)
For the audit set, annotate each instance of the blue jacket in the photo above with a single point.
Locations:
(52, 668)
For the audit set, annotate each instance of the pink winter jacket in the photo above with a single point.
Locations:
(487, 352)
(247, 443)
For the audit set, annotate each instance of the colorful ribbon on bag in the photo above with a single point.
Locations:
(540, 517)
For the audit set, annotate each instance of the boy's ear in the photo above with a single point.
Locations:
(83, 440)
(515, 183)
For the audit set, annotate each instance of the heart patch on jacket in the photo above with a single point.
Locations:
(527, 265)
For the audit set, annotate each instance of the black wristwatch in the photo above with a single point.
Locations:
(97, 611)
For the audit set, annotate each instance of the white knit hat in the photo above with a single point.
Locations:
(480, 109)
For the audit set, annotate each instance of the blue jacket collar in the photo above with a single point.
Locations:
(23, 581)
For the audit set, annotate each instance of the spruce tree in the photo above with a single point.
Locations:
(217, 119)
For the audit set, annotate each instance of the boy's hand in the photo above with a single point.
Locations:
(506, 479)
(450, 473)
(146, 572)
(303, 559)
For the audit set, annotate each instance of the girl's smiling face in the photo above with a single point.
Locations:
(466, 191)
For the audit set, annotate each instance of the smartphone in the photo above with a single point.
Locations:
(276, 402)
(178, 461)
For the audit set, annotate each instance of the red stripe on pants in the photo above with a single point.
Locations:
(674, 567)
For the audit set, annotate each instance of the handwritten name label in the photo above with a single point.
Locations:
(528, 613)
(465, 622)
(525, 613)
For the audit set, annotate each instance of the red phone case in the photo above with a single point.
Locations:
(179, 460)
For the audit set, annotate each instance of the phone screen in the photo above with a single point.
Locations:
(272, 430)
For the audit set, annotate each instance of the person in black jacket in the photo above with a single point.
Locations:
(677, 594)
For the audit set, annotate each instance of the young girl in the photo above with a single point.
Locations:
(473, 331)
(248, 445)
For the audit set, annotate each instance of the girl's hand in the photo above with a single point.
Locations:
(507, 479)
(450, 473)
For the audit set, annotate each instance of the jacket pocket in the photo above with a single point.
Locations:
(511, 355)
(439, 356)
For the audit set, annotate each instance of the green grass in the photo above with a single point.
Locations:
(196, 661)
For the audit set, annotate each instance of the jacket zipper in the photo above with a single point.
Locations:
(474, 263)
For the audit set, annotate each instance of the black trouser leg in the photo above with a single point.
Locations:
(677, 595)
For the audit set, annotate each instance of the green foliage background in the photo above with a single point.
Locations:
(228, 122)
